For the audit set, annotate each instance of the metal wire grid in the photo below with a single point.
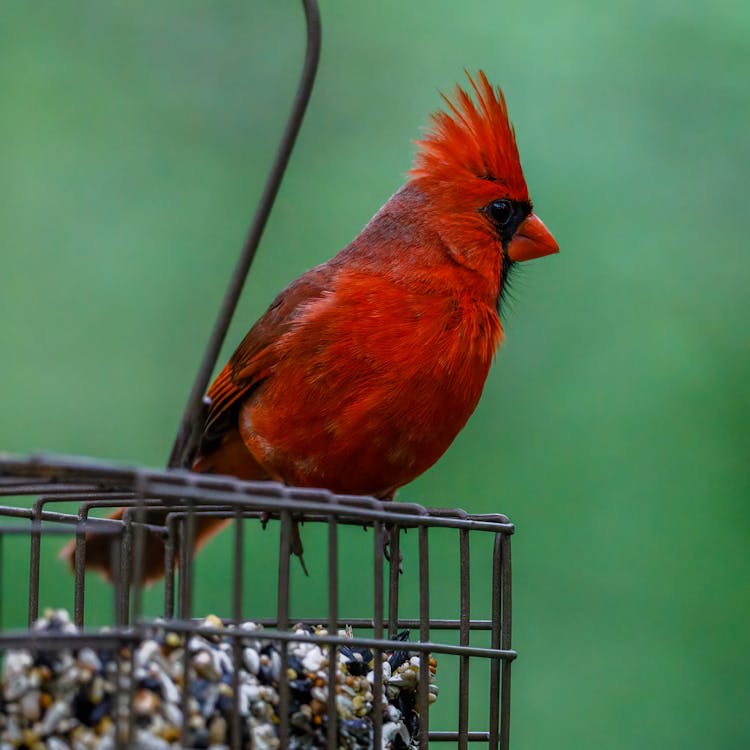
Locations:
(95, 485)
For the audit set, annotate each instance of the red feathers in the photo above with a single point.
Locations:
(473, 140)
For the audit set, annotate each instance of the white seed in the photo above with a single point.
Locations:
(30, 707)
(313, 660)
(251, 659)
(55, 714)
(147, 741)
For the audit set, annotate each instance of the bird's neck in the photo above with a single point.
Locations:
(413, 247)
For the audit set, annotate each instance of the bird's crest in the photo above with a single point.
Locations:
(474, 138)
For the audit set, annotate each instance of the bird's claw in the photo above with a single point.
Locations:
(387, 555)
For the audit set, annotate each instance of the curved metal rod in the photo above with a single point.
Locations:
(188, 435)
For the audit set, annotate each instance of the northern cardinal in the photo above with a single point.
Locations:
(364, 369)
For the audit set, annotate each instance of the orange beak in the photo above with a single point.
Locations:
(532, 240)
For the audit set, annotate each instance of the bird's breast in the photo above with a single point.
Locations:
(371, 386)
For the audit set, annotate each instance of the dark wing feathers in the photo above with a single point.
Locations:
(257, 354)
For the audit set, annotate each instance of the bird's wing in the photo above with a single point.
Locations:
(257, 354)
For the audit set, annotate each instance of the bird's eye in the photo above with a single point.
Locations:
(501, 211)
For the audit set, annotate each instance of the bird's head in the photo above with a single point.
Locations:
(469, 173)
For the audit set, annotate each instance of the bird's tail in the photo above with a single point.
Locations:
(231, 458)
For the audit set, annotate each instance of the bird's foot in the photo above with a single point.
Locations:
(297, 549)
(387, 551)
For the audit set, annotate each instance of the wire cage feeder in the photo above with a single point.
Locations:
(392, 640)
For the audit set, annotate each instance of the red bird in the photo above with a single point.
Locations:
(364, 369)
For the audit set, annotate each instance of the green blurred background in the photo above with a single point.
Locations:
(134, 140)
